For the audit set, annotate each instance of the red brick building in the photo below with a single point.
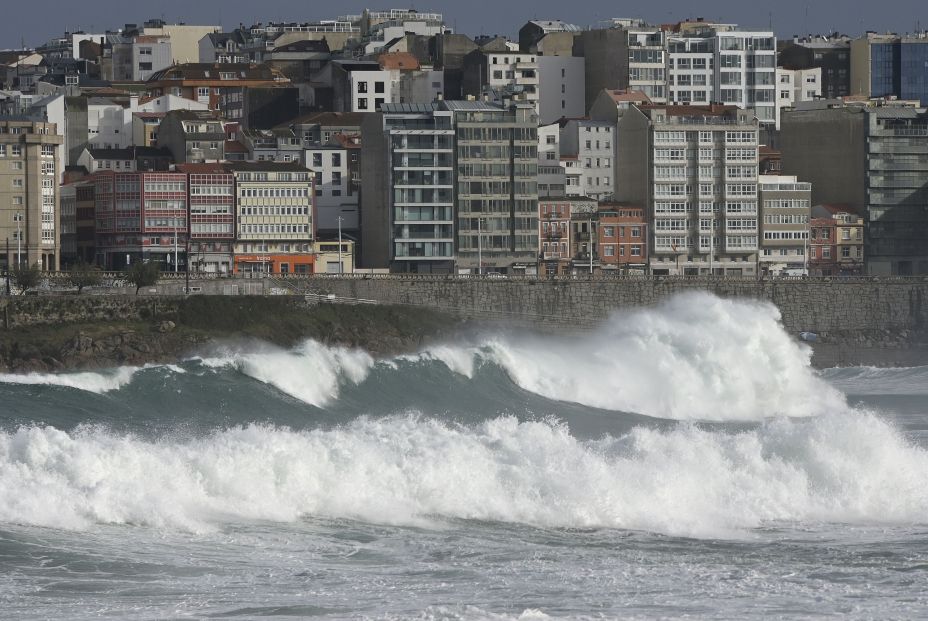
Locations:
(822, 247)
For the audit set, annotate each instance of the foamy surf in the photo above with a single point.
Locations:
(411, 470)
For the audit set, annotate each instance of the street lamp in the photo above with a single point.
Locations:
(341, 268)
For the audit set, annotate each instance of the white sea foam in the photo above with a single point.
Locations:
(311, 372)
(694, 357)
(847, 468)
(99, 383)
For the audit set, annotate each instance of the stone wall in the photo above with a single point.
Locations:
(806, 305)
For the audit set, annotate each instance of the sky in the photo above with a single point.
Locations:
(35, 24)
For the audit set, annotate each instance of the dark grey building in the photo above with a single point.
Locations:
(447, 183)
(193, 136)
(875, 160)
(831, 53)
(260, 107)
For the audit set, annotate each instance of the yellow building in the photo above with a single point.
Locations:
(327, 257)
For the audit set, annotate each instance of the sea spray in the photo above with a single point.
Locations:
(694, 357)
(410, 469)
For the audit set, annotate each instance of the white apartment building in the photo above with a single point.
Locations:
(512, 74)
(552, 178)
(334, 196)
(593, 144)
(785, 211)
(695, 167)
(647, 66)
(724, 66)
(561, 87)
(797, 85)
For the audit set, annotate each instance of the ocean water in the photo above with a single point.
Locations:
(685, 461)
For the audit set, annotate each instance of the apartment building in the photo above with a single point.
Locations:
(408, 188)
(847, 238)
(831, 54)
(193, 136)
(136, 58)
(141, 216)
(622, 238)
(560, 88)
(717, 64)
(785, 211)
(274, 227)
(211, 200)
(556, 244)
(29, 195)
(496, 190)
(889, 65)
(336, 196)
(872, 157)
(592, 143)
(450, 186)
(502, 76)
(360, 86)
(822, 248)
(797, 85)
(695, 168)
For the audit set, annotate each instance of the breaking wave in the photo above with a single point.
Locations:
(848, 468)
(696, 357)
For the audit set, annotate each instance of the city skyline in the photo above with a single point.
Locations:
(790, 18)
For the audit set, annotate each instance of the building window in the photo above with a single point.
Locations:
(362, 103)
(362, 87)
(378, 87)
(636, 251)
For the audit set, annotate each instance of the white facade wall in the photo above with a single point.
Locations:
(731, 67)
(593, 142)
(561, 87)
(369, 88)
(515, 73)
(795, 86)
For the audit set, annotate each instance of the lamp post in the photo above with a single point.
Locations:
(19, 240)
(479, 246)
(590, 248)
(341, 268)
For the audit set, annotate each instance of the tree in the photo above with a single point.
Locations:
(26, 276)
(143, 275)
(83, 274)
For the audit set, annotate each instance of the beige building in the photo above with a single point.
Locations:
(29, 200)
(185, 39)
(274, 218)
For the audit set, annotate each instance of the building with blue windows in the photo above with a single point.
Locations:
(889, 65)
